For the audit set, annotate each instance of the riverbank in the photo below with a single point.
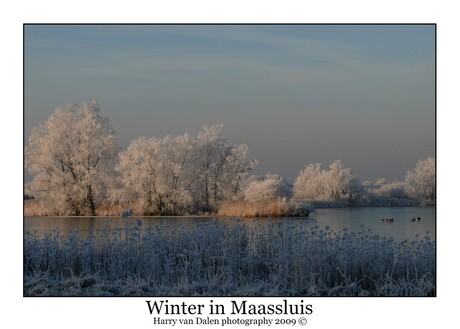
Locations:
(221, 260)
(277, 208)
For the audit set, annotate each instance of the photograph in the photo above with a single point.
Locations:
(229, 160)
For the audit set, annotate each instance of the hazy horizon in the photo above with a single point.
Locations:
(295, 94)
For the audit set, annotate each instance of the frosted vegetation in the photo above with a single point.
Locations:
(78, 169)
(71, 157)
(227, 260)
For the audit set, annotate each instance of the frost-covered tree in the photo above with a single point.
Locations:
(263, 196)
(388, 194)
(219, 169)
(395, 190)
(156, 175)
(336, 184)
(341, 184)
(309, 185)
(210, 154)
(181, 174)
(70, 158)
(268, 189)
(236, 172)
(421, 182)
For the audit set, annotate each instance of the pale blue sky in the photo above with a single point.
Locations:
(295, 94)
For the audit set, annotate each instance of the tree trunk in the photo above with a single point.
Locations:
(90, 200)
(206, 195)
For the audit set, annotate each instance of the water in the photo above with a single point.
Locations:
(339, 220)
(400, 229)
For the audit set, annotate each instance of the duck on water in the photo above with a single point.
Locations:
(387, 220)
(414, 219)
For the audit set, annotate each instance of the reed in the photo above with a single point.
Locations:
(216, 259)
(275, 209)
(33, 208)
(278, 208)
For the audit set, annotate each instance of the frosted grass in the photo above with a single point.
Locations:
(233, 259)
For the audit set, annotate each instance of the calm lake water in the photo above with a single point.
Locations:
(339, 220)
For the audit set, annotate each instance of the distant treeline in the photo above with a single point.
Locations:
(78, 169)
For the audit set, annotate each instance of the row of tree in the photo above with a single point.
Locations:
(77, 167)
(176, 175)
(418, 187)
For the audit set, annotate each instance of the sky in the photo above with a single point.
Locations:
(295, 94)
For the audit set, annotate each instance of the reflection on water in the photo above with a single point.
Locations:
(339, 220)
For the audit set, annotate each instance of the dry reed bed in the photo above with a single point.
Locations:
(275, 208)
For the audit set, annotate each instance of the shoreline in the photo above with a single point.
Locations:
(218, 215)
